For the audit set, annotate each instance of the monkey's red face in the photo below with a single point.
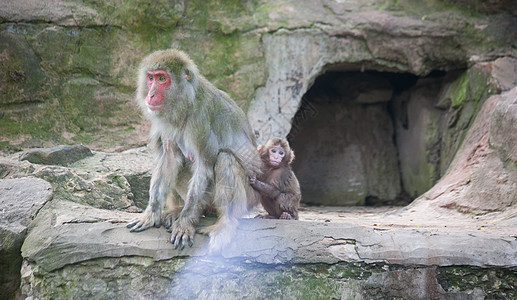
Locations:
(157, 82)
(276, 155)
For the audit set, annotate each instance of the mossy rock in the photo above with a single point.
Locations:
(22, 80)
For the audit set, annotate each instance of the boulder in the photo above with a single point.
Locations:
(59, 155)
(104, 180)
(482, 179)
(503, 136)
(504, 71)
(20, 201)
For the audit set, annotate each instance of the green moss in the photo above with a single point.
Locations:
(228, 279)
(21, 77)
(458, 90)
(86, 100)
(232, 62)
(85, 75)
(496, 283)
(480, 86)
(138, 16)
(24, 127)
(119, 181)
(467, 94)
(73, 51)
(112, 36)
(471, 85)
(224, 16)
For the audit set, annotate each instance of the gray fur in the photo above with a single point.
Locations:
(203, 123)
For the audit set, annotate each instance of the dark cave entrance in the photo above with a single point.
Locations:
(368, 138)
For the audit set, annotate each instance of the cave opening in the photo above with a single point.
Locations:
(363, 138)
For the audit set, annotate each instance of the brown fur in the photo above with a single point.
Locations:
(205, 153)
(278, 186)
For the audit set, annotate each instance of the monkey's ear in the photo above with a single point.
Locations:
(292, 157)
(260, 147)
(187, 74)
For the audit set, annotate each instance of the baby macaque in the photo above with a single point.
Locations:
(277, 185)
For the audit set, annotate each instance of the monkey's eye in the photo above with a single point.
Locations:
(281, 153)
(162, 78)
(151, 77)
(273, 151)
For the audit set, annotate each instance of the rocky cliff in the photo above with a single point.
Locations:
(382, 101)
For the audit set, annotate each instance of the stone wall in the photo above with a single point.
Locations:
(69, 66)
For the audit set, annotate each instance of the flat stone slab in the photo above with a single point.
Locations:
(68, 233)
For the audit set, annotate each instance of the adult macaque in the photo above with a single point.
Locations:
(277, 184)
(205, 151)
